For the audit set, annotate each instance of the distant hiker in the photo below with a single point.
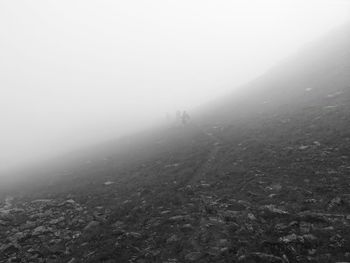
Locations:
(168, 117)
(185, 118)
(178, 117)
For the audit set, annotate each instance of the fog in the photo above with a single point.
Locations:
(74, 73)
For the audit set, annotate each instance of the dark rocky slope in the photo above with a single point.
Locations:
(266, 180)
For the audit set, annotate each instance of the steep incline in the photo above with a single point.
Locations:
(263, 177)
(318, 72)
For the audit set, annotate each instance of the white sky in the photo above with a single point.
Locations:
(77, 71)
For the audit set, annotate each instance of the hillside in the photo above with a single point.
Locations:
(319, 71)
(260, 177)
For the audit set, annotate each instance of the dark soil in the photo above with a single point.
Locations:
(272, 189)
(264, 177)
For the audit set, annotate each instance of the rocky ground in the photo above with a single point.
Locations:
(188, 224)
(274, 190)
(262, 175)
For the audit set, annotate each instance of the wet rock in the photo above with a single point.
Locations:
(245, 203)
(310, 201)
(180, 218)
(311, 217)
(40, 230)
(223, 242)
(165, 212)
(8, 202)
(19, 236)
(337, 201)
(293, 238)
(172, 239)
(274, 187)
(309, 238)
(119, 224)
(337, 241)
(326, 229)
(252, 194)
(187, 227)
(16, 210)
(6, 216)
(217, 251)
(230, 215)
(70, 202)
(100, 217)
(41, 201)
(312, 251)
(303, 147)
(268, 211)
(290, 238)
(134, 235)
(205, 185)
(280, 227)
(91, 225)
(8, 249)
(317, 143)
(4, 223)
(305, 227)
(41, 215)
(56, 220)
(251, 216)
(259, 257)
(14, 259)
(193, 256)
(27, 225)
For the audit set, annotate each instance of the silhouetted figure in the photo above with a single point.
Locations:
(168, 117)
(178, 118)
(185, 118)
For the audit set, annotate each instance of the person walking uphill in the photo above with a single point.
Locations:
(185, 118)
(178, 118)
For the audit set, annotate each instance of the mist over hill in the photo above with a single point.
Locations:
(315, 80)
(320, 69)
(261, 175)
(75, 74)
